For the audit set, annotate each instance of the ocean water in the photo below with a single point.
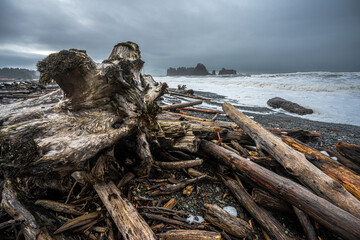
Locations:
(334, 96)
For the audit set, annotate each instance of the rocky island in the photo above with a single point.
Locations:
(225, 71)
(199, 70)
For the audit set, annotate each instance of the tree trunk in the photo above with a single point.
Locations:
(318, 208)
(295, 162)
(51, 136)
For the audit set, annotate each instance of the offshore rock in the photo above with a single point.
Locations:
(199, 70)
(224, 71)
(277, 102)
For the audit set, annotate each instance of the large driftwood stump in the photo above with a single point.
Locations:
(98, 104)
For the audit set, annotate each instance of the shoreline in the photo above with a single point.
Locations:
(331, 133)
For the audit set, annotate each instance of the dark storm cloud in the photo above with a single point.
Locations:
(250, 36)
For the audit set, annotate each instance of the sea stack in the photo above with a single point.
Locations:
(199, 70)
(224, 71)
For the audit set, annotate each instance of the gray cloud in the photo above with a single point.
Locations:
(250, 36)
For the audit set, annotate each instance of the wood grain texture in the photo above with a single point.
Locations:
(127, 219)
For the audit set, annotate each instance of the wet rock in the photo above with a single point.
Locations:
(292, 107)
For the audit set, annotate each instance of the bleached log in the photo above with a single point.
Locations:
(295, 162)
(180, 105)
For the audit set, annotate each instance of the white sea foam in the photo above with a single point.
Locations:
(334, 97)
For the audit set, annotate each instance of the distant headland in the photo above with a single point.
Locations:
(199, 70)
(17, 73)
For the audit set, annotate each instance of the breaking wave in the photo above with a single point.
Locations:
(334, 96)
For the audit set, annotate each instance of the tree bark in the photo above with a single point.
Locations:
(295, 162)
(329, 215)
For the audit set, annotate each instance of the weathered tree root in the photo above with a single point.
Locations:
(44, 140)
(52, 136)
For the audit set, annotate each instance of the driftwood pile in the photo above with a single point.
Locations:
(72, 159)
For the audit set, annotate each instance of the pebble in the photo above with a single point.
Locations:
(195, 219)
(231, 210)
(325, 153)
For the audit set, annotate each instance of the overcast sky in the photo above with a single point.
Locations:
(246, 35)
